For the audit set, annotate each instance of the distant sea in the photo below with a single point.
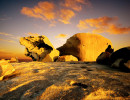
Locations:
(22, 60)
(25, 60)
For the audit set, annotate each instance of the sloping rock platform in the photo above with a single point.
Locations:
(65, 81)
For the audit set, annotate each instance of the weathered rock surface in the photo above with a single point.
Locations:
(5, 69)
(66, 58)
(39, 48)
(85, 46)
(104, 57)
(118, 59)
(65, 81)
(123, 53)
(127, 64)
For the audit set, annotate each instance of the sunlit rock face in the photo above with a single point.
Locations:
(66, 58)
(85, 46)
(39, 48)
(5, 69)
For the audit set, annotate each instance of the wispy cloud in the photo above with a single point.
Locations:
(44, 10)
(103, 25)
(4, 18)
(2, 33)
(66, 15)
(75, 4)
(61, 36)
(48, 11)
(9, 35)
(32, 34)
(113, 29)
(11, 41)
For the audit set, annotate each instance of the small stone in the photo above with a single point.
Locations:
(67, 58)
(5, 69)
(14, 60)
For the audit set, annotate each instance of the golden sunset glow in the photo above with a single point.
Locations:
(66, 15)
(103, 24)
(60, 19)
(64, 50)
(61, 36)
(44, 11)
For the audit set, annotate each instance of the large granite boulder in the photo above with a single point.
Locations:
(104, 57)
(6, 69)
(39, 48)
(121, 59)
(123, 53)
(85, 46)
(67, 58)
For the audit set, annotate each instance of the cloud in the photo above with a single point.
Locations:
(9, 35)
(113, 29)
(66, 15)
(44, 10)
(102, 25)
(11, 41)
(63, 11)
(47, 12)
(32, 34)
(75, 4)
(6, 34)
(61, 36)
(4, 18)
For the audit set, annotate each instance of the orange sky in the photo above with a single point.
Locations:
(59, 20)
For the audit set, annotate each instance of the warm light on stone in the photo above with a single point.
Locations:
(85, 46)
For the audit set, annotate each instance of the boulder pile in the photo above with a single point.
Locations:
(79, 47)
(119, 59)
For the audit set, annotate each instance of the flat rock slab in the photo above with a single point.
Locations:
(64, 81)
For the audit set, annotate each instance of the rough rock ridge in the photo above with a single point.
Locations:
(39, 48)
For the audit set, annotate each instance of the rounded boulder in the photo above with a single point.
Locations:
(85, 46)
